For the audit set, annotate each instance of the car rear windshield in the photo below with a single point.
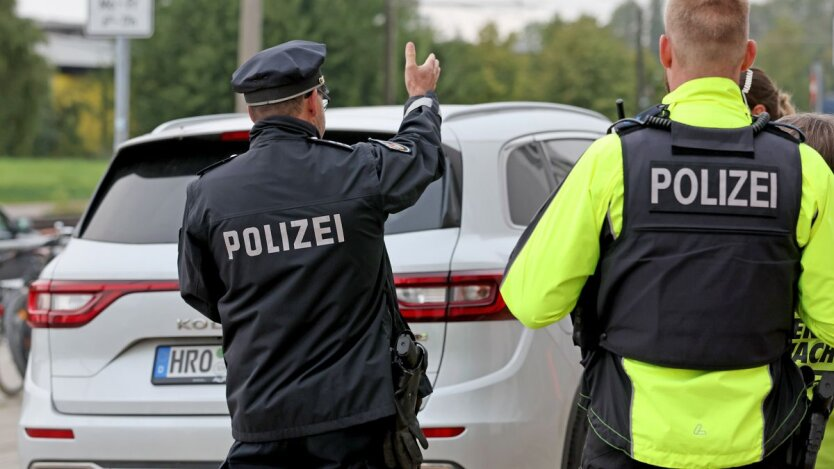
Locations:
(142, 196)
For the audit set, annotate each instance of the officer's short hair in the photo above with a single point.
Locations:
(708, 33)
(291, 107)
(819, 132)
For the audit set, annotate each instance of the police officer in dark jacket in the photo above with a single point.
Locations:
(283, 245)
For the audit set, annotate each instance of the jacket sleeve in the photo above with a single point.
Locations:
(816, 281)
(560, 248)
(411, 160)
(200, 284)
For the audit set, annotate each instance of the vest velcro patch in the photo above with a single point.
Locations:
(709, 188)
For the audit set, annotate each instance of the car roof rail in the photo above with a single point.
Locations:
(452, 111)
(187, 121)
(511, 106)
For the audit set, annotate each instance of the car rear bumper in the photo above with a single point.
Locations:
(110, 440)
(513, 417)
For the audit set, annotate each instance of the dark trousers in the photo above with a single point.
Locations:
(358, 447)
(599, 455)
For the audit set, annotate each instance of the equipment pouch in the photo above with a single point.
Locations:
(821, 406)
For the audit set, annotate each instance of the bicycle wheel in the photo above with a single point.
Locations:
(11, 380)
(17, 330)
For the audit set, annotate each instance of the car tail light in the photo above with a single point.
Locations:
(236, 136)
(53, 433)
(444, 432)
(73, 304)
(456, 297)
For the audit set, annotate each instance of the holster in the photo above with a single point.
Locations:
(822, 403)
(409, 362)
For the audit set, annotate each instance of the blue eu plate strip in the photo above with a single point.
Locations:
(160, 369)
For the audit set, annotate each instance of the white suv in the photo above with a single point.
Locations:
(107, 314)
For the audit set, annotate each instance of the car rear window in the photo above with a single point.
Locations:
(142, 196)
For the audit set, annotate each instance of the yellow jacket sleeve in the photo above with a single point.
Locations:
(815, 234)
(560, 249)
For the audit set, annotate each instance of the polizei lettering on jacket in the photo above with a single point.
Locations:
(714, 189)
(285, 236)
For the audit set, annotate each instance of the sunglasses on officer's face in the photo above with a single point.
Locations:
(325, 96)
(324, 92)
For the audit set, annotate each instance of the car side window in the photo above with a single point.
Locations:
(535, 170)
(529, 181)
(562, 155)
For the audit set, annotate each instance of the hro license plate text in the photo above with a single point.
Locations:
(189, 364)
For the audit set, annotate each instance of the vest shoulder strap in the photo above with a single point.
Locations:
(624, 126)
(786, 131)
(657, 118)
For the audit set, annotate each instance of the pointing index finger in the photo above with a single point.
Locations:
(410, 54)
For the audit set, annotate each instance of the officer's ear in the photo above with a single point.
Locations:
(758, 109)
(749, 54)
(665, 51)
(311, 104)
(251, 114)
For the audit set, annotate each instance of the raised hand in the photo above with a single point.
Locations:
(420, 79)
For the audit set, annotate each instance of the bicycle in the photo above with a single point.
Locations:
(15, 334)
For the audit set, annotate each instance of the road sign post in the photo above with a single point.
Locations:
(121, 20)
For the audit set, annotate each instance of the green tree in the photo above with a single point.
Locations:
(792, 35)
(583, 64)
(623, 24)
(656, 25)
(354, 32)
(24, 75)
(184, 69)
(489, 70)
(355, 54)
(787, 65)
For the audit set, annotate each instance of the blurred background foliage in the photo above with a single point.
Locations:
(184, 69)
(23, 82)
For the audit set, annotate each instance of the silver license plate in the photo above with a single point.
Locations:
(189, 364)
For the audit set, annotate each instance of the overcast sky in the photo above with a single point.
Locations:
(450, 17)
(461, 18)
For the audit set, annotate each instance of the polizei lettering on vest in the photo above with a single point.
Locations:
(290, 236)
(714, 188)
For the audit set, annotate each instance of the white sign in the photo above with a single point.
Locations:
(125, 18)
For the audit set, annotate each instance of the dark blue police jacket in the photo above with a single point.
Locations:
(283, 245)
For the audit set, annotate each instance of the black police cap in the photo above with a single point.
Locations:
(280, 73)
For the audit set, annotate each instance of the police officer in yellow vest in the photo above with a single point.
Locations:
(705, 230)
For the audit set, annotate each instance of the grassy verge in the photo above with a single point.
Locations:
(61, 181)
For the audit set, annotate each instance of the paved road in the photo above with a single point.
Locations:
(9, 413)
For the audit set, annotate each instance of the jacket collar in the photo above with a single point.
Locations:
(709, 102)
(280, 127)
